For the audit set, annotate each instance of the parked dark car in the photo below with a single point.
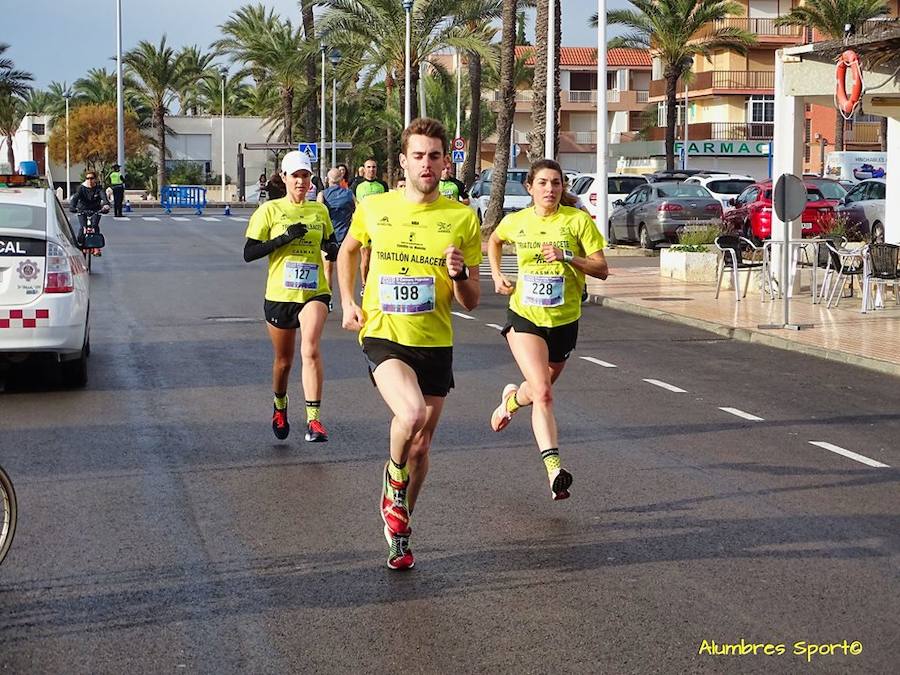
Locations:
(864, 207)
(658, 212)
(752, 212)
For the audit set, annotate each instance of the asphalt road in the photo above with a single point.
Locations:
(163, 528)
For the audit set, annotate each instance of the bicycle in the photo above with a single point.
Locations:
(91, 237)
(8, 513)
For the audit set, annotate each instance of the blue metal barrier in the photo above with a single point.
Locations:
(183, 196)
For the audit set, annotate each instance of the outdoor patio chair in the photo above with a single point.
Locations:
(731, 256)
(843, 267)
(803, 260)
(883, 261)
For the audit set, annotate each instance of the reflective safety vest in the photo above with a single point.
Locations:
(115, 178)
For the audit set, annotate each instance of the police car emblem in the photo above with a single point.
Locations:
(28, 270)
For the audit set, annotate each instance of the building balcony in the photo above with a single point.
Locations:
(863, 133)
(718, 131)
(573, 100)
(765, 30)
(718, 82)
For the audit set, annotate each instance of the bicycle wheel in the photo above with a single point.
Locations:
(8, 513)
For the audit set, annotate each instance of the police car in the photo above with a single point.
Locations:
(44, 282)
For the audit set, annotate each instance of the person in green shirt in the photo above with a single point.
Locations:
(117, 182)
(452, 188)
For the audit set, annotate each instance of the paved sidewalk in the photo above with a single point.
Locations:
(841, 334)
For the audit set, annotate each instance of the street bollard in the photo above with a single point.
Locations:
(228, 209)
(127, 206)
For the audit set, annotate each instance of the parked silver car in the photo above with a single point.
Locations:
(658, 212)
(864, 207)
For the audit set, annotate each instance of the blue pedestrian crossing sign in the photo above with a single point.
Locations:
(459, 156)
(311, 150)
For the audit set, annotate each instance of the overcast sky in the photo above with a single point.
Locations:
(62, 39)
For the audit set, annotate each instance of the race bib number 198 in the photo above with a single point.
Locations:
(302, 276)
(541, 291)
(406, 295)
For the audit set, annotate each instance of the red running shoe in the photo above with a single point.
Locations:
(394, 507)
(400, 556)
(280, 424)
(315, 432)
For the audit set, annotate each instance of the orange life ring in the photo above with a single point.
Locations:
(847, 102)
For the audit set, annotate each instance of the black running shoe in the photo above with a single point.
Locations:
(280, 424)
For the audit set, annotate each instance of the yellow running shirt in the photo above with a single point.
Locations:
(408, 290)
(296, 272)
(549, 294)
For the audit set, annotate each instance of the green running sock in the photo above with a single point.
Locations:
(551, 460)
(398, 472)
(281, 401)
(512, 404)
(312, 410)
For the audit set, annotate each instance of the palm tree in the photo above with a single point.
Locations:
(675, 31)
(12, 82)
(273, 51)
(378, 28)
(11, 113)
(195, 64)
(97, 87)
(536, 137)
(159, 69)
(829, 17)
(507, 112)
(238, 97)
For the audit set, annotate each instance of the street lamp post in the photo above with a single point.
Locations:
(688, 64)
(224, 73)
(335, 58)
(602, 204)
(120, 97)
(550, 98)
(322, 120)
(407, 111)
(67, 96)
(458, 60)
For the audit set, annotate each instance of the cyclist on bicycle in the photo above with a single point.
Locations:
(89, 198)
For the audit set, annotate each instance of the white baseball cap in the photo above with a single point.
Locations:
(295, 161)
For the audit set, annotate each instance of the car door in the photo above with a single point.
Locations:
(873, 204)
(636, 213)
(853, 207)
(619, 217)
(739, 217)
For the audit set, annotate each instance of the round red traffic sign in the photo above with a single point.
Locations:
(459, 143)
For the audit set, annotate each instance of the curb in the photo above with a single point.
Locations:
(749, 335)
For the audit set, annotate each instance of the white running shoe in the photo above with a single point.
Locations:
(501, 417)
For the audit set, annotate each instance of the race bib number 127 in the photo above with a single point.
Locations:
(302, 276)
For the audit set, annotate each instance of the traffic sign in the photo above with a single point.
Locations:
(311, 150)
(789, 197)
(459, 156)
(459, 143)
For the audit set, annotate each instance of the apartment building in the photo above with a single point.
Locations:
(730, 104)
(627, 92)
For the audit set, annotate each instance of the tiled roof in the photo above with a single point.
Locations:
(587, 56)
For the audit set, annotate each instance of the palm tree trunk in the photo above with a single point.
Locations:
(557, 94)
(671, 110)
(310, 122)
(10, 154)
(389, 128)
(539, 84)
(884, 133)
(287, 112)
(159, 120)
(838, 132)
(505, 116)
(469, 169)
(414, 87)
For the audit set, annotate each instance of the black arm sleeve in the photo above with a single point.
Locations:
(331, 248)
(255, 249)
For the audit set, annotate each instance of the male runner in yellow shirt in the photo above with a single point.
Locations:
(425, 252)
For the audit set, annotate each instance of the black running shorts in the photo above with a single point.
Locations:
(287, 314)
(560, 339)
(433, 366)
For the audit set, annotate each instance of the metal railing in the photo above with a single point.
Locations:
(585, 137)
(719, 131)
(863, 132)
(575, 96)
(643, 95)
(720, 79)
(761, 27)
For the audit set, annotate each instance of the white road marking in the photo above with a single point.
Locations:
(847, 453)
(493, 325)
(121, 218)
(605, 364)
(741, 413)
(211, 219)
(463, 316)
(150, 218)
(180, 219)
(666, 385)
(240, 220)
